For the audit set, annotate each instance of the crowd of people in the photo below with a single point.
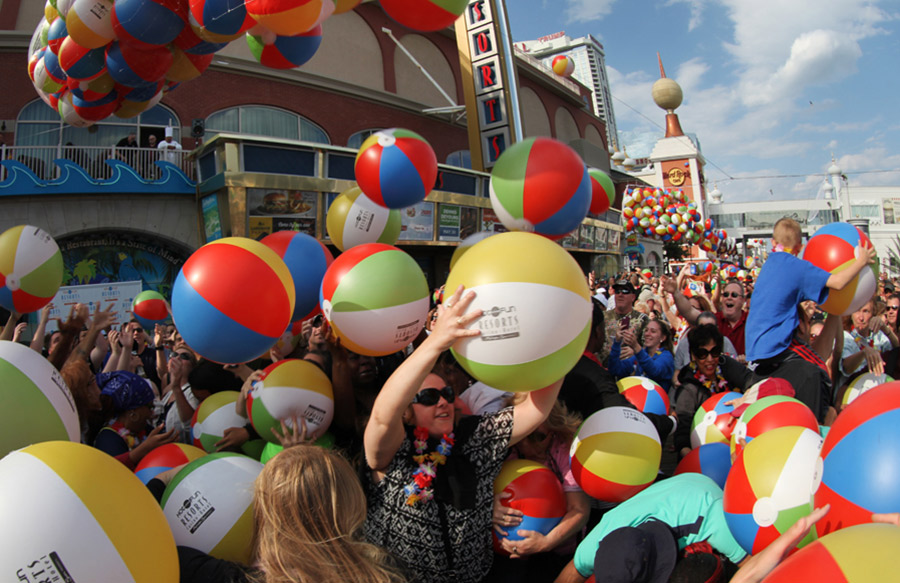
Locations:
(407, 492)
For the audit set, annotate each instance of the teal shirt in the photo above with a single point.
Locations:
(691, 504)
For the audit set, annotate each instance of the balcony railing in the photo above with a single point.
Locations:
(93, 160)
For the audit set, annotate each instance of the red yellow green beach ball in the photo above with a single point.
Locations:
(537, 311)
(31, 269)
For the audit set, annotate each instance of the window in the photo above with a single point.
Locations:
(357, 139)
(460, 159)
(258, 120)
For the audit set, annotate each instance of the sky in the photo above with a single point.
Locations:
(771, 87)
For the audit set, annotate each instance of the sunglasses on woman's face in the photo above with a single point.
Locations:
(732, 295)
(430, 397)
(702, 353)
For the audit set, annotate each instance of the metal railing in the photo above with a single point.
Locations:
(93, 160)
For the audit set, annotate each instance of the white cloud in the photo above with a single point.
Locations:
(697, 7)
(588, 10)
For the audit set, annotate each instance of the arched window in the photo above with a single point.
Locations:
(357, 139)
(460, 159)
(39, 125)
(259, 120)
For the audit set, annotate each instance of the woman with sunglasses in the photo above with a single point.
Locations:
(709, 372)
(540, 557)
(430, 479)
(179, 400)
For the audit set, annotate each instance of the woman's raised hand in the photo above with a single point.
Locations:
(453, 319)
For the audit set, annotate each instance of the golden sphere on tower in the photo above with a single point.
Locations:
(667, 93)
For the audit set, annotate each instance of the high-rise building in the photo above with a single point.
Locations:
(590, 70)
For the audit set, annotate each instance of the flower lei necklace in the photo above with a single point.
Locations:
(717, 384)
(862, 340)
(420, 488)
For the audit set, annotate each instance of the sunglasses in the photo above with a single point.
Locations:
(182, 355)
(137, 329)
(732, 295)
(430, 397)
(318, 321)
(702, 353)
(623, 292)
(893, 308)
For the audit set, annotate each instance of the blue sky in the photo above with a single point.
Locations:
(771, 87)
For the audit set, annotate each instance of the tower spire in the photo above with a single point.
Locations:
(662, 72)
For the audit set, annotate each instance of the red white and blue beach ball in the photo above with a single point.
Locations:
(396, 168)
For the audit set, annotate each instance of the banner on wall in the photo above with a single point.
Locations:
(491, 222)
(455, 223)
(98, 296)
(212, 221)
(417, 222)
(281, 210)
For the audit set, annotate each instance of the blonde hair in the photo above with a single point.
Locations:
(308, 514)
(787, 232)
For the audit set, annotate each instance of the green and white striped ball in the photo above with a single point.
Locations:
(354, 219)
(291, 388)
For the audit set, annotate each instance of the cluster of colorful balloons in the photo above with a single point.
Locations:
(669, 215)
(94, 58)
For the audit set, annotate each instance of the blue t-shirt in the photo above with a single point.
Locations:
(691, 504)
(783, 283)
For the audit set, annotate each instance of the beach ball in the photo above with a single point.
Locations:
(291, 388)
(54, 69)
(307, 259)
(137, 67)
(233, 299)
(647, 395)
(289, 17)
(37, 404)
(603, 191)
(536, 491)
(858, 554)
(341, 6)
(166, 457)
(713, 422)
(150, 308)
(713, 460)
(771, 486)
(424, 15)
(213, 416)
(93, 111)
(467, 244)
(69, 514)
(187, 66)
(862, 460)
(615, 454)
(769, 413)
(148, 23)
(56, 34)
(81, 63)
(396, 168)
(189, 42)
(376, 299)
(537, 311)
(273, 449)
(94, 89)
(31, 269)
(861, 384)
(563, 66)
(540, 185)
(209, 505)
(219, 21)
(286, 52)
(353, 219)
(89, 22)
(833, 248)
(43, 82)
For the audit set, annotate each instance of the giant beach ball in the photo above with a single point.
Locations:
(213, 416)
(69, 514)
(81, 63)
(862, 460)
(563, 66)
(135, 67)
(289, 17)
(645, 394)
(307, 259)
(858, 554)
(862, 384)
(467, 244)
(150, 308)
(31, 269)
(291, 388)
(233, 299)
(615, 454)
(166, 457)
(354, 219)
(537, 311)
(713, 421)
(424, 15)
(396, 168)
(771, 486)
(97, 109)
(148, 23)
(769, 413)
(376, 299)
(713, 460)
(536, 491)
(219, 21)
(56, 34)
(37, 404)
(187, 66)
(209, 505)
(833, 248)
(89, 22)
(285, 52)
(603, 191)
(540, 185)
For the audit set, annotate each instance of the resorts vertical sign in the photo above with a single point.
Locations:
(487, 83)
